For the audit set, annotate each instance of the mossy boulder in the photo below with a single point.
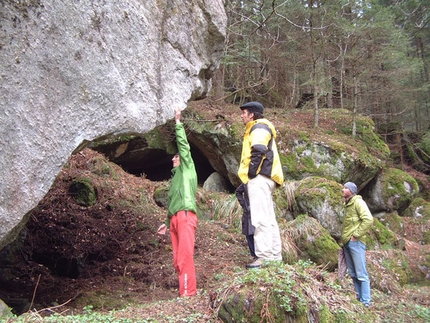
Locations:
(386, 270)
(280, 293)
(321, 199)
(419, 208)
(220, 143)
(331, 160)
(417, 221)
(393, 221)
(160, 194)
(101, 167)
(304, 238)
(338, 157)
(392, 190)
(380, 236)
(240, 307)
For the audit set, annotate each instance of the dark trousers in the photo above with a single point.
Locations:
(250, 240)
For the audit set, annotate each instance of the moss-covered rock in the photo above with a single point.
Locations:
(392, 190)
(321, 199)
(282, 293)
(419, 208)
(161, 193)
(394, 222)
(336, 156)
(253, 309)
(331, 160)
(304, 238)
(83, 192)
(380, 236)
(220, 143)
(417, 221)
(102, 167)
(400, 189)
(389, 270)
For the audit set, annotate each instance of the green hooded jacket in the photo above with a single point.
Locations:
(357, 220)
(183, 187)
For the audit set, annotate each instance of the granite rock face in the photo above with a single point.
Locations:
(75, 71)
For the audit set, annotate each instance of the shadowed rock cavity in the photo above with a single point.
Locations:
(155, 164)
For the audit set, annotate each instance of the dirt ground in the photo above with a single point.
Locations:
(84, 255)
(109, 255)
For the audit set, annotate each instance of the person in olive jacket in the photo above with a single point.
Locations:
(357, 220)
(182, 209)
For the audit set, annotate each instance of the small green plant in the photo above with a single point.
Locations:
(88, 309)
(304, 263)
(341, 316)
(422, 312)
(88, 316)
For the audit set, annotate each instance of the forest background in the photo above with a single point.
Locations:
(371, 57)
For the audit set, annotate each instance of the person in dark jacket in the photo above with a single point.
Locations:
(247, 227)
(182, 209)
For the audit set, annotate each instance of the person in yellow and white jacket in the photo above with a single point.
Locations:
(261, 170)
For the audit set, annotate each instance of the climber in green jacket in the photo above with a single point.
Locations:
(181, 215)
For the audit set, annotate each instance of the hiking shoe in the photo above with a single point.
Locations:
(255, 264)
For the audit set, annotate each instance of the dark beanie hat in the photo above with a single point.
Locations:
(351, 186)
(253, 106)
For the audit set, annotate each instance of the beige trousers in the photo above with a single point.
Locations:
(267, 239)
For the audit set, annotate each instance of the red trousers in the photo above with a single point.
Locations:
(182, 232)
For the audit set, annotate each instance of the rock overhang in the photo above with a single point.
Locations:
(75, 71)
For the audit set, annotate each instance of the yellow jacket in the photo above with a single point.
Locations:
(259, 152)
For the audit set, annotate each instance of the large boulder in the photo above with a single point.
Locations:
(321, 199)
(74, 71)
(392, 190)
(336, 155)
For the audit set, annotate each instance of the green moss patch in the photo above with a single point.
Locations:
(399, 188)
(83, 192)
(384, 237)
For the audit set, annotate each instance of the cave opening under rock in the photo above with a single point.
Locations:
(156, 164)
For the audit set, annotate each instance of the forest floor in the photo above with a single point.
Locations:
(109, 256)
